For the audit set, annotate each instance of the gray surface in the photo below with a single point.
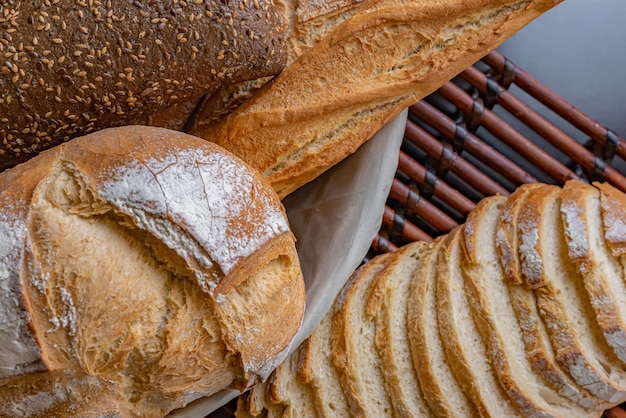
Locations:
(579, 50)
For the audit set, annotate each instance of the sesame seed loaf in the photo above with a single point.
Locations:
(75, 67)
(140, 268)
(343, 88)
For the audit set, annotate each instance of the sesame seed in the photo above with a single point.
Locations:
(57, 40)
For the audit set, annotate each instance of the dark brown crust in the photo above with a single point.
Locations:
(74, 67)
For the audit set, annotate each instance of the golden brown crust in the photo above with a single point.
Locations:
(328, 102)
(129, 237)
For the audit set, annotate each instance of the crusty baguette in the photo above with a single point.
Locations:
(354, 351)
(387, 303)
(340, 91)
(144, 262)
(562, 299)
(463, 346)
(442, 393)
(497, 322)
(73, 68)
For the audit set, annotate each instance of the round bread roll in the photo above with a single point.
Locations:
(140, 268)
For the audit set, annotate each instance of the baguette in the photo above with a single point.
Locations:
(140, 268)
(341, 90)
(76, 67)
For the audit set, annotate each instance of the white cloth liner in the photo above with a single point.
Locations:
(334, 218)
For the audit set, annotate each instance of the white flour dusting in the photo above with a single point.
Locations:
(576, 230)
(204, 205)
(19, 353)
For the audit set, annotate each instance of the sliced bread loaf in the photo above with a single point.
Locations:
(563, 302)
(600, 270)
(287, 389)
(354, 352)
(442, 393)
(387, 306)
(462, 342)
(613, 207)
(320, 373)
(496, 320)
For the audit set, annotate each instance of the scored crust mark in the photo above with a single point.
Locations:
(442, 393)
(83, 254)
(463, 346)
(76, 68)
(496, 319)
(600, 270)
(562, 300)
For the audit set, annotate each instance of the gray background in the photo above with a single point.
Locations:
(578, 49)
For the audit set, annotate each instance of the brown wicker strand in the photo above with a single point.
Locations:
(543, 127)
(452, 161)
(448, 195)
(505, 132)
(392, 220)
(423, 208)
(473, 145)
(381, 244)
(555, 102)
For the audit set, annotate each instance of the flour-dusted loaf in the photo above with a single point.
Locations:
(71, 68)
(140, 268)
(365, 70)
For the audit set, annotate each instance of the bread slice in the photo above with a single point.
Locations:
(387, 307)
(319, 372)
(286, 388)
(442, 393)
(506, 233)
(354, 352)
(539, 351)
(562, 300)
(496, 320)
(613, 207)
(600, 270)
(462, 343)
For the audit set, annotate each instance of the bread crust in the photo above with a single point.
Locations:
(560, 295)
(81, 67)
(327, 102)
(153, 200)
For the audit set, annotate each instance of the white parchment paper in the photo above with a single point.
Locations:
(334, 218)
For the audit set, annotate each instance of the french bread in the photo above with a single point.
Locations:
(343, 88)
(75, 67)
(140, 268)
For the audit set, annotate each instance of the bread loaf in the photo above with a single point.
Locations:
(488, 336)
(71, 68)
(348, 82)
(140, 268)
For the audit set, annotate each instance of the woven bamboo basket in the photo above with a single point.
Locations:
(489, 130)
